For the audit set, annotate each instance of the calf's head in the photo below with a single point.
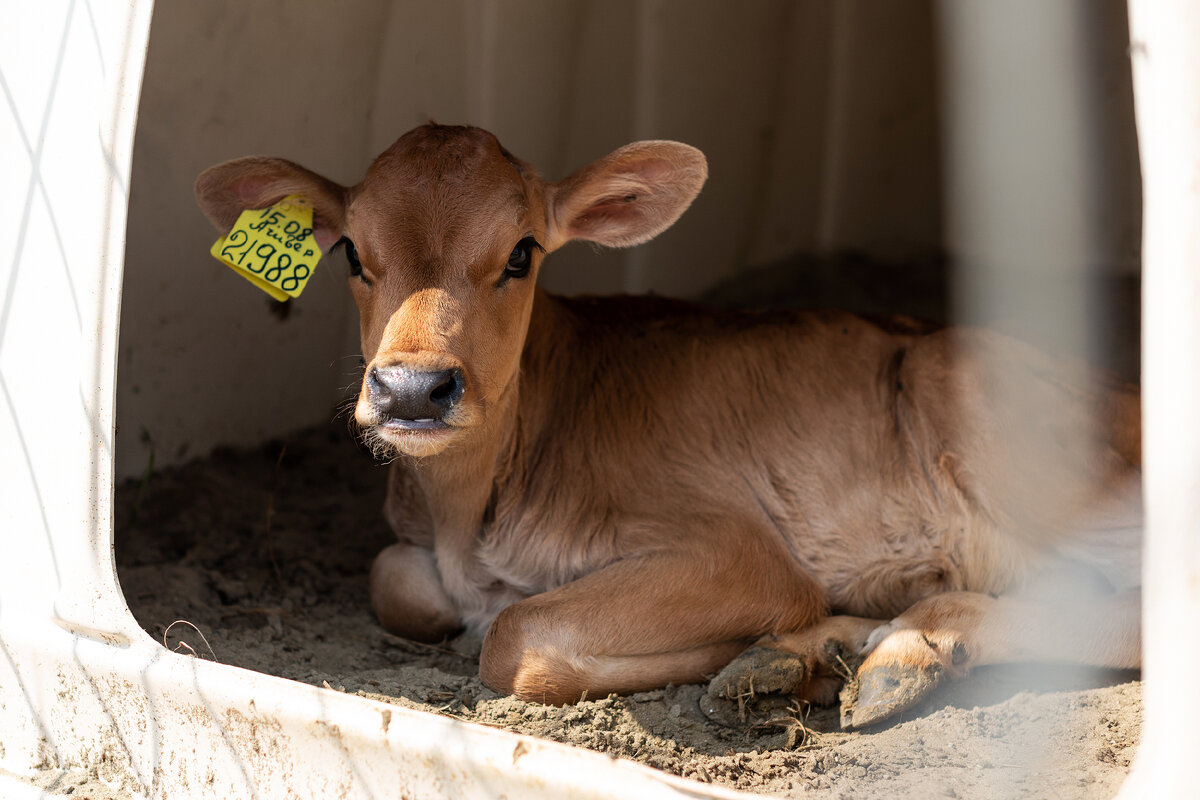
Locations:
(444, 238)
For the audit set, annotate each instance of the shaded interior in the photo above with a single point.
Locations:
(248, 516)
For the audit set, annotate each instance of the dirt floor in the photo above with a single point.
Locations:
(265, 553)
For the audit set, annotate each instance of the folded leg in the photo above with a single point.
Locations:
(810, 665)
(888, 667)
(948, 634)
(408, 597)
(646, 621)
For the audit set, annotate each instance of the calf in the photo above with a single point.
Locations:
(629, 492)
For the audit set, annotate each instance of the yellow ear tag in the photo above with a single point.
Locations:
(273, 247)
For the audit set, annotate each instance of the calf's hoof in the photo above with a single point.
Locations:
(876, 694)
(755, 688)
(902, 670)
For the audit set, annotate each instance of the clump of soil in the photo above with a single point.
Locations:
(266, 552)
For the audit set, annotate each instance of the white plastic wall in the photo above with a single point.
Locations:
(1167, 85)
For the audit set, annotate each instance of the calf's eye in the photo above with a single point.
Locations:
(351, 256)
(520, 259)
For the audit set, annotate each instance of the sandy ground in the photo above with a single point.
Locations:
(265, 552)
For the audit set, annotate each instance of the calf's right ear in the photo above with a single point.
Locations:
(228, 189)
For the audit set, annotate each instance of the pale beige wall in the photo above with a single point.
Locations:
(203, 361)
(820, 120)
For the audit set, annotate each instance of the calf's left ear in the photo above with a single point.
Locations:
(228, 189)
(626, 198)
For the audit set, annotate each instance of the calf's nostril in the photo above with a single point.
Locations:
(444, 393)
(381, 393)
(374, 384)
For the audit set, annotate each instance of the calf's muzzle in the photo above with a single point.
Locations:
(414, 397)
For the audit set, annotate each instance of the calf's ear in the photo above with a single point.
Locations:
(228, 189)
(626, 198)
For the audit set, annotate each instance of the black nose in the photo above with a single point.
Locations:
(406, 394)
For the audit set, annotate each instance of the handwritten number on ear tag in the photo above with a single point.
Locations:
(273, 248)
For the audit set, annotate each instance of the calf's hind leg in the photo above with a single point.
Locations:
(888, 667)
(948, 634)
(646, 621)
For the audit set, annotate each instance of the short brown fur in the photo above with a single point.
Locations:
(631, 491)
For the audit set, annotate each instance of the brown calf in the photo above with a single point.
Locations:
(627, 492)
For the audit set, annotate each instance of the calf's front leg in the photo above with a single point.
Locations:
(810, 665)
(646, 621)
(408, 597)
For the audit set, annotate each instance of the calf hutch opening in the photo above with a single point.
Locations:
(189, 607)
